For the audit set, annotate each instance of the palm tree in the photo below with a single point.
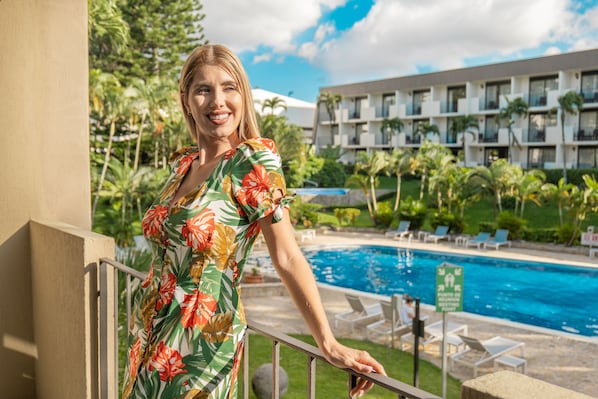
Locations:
(561, 192)
(493, 181)
(424, 128)
(107, 102)
(401, 162)
(273, 103)
(393, 125)
(372, 165)
(569, 103)
(516, 107)
(530, 188)
(465, 124)
(331, 102)
(107, 28)
(362, 182)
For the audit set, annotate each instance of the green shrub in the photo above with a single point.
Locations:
(455, 222)
(346, 216)
(304, 214)
(567, 235)
(548, 235)
(414, 211)
(384, 215)
(332, 174)
(486, 226)
(506, 220)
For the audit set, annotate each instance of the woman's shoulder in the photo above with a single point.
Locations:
(259, 144)
(181, 158)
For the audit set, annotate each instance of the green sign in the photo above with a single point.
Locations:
(449, 288)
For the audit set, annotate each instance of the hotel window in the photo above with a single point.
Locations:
(588, 126)
(490, 134)
(454, 94)
(356, 111)
(496, 90)
(387, 101)
(539, 88)
(537, 127)
(538, 156)
(420, 97)
(587, 157)
(589, 87)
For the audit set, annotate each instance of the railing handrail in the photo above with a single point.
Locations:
(402, 389)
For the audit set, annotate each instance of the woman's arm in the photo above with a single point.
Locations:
(296, 274)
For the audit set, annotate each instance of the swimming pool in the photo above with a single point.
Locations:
(321, 191)
(563, 298)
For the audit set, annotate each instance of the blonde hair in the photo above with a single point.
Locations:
(222, 57)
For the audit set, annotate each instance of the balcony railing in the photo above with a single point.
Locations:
(108, 331)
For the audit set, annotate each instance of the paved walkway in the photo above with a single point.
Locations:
(559, 358)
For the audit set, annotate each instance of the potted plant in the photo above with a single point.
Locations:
(254, 276)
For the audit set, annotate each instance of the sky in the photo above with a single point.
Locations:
(296, 47)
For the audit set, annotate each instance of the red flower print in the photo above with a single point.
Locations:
(269, 144)
(253, 230)
(134, 358)
(166, 290)
(197, 309)
(167, 361)
(254, 187)
(152, 221)
(198, 230)
(230, 153)
(185, 163)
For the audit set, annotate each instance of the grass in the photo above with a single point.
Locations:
(332, 382)
(537, 217)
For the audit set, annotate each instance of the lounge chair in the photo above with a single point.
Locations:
(478, 240)
(479, 352)
(401, 231)
(433, 333)
(500, 238)
(305, 234)
(386, 327)
(360, 314)
(439, 234)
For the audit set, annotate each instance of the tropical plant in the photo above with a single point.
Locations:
(515, 108)
(273, 103)
(465, 124)
(425, 128)
(372, 164)
(493, 181)
(331, 102)
(561, 192)
(362, 182)
(401, 162)
(392, 125)
(108, 31)
(569, 103)
(529, 188)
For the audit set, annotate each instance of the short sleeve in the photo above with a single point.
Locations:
(258, 182)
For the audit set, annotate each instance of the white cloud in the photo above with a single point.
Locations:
(397, 36)
(262, 58)
(246, 25)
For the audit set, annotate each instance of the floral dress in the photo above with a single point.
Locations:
(187, 328)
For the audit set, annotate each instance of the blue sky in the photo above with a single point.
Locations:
(295, 47)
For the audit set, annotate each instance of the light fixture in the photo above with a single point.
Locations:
(481, 85)
(576, 75)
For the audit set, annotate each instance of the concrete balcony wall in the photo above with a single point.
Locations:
(44, 156)
(64, 280)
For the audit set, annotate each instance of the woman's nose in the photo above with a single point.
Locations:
(218, 97)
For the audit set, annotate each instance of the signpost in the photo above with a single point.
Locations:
(449, 298)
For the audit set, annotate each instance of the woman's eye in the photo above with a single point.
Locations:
(202, 90)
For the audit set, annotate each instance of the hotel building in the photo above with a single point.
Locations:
(439, 97)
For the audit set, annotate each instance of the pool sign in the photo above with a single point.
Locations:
(449, 288)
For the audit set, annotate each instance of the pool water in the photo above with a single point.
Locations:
(320, 191)
(558, 297)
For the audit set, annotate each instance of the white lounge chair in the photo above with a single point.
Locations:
(401, 231)
(433, 333)
(360, 314)
(480, 352)
(500, 238)
(439, 234)
(478, 240)
(385, 327)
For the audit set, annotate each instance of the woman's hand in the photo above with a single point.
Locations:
(358, 360)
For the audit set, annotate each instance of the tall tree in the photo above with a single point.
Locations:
(108, 31)
(161, 33)
(569, 103)
(465, 124)
(515, 108)
(372, 164)
(401, 162)
(331, 102)
(392, 125)
(273, 103)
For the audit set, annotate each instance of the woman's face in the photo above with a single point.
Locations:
(215, 104)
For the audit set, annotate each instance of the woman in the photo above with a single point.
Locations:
(189, 322)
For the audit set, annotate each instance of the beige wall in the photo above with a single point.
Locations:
(44, 166)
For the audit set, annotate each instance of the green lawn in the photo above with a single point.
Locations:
(332, 383)
(545, 216)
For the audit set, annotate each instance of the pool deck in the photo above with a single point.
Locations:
(563, 359)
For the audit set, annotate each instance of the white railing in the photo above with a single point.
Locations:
(108, 330)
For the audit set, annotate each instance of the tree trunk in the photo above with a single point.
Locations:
(564, 149)
(104, 169)
(398, 196)
(138, 144)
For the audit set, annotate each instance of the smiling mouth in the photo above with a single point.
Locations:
(218, 117)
